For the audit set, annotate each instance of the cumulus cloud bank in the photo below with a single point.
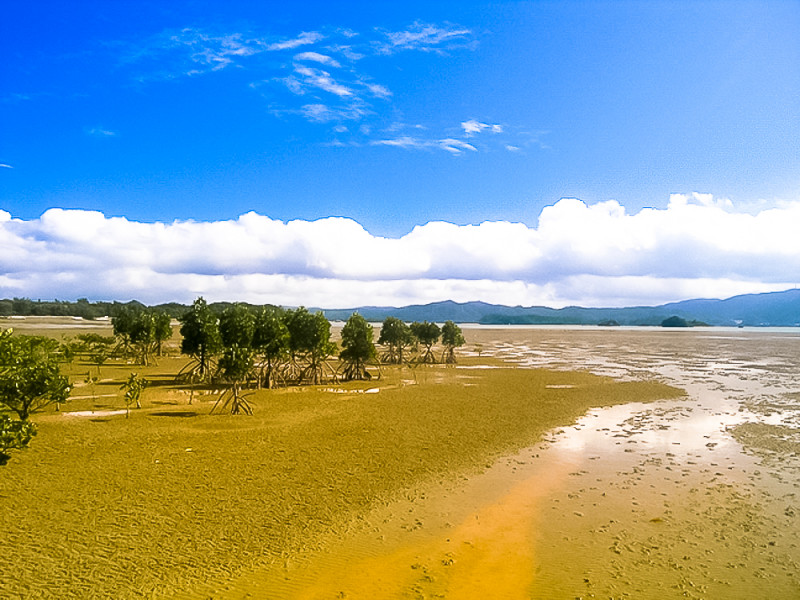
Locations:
(592, 255)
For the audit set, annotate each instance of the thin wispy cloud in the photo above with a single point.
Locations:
(187, 52)
(317, 78)
(589, 254)
(317, 57)
(322, 113)
(5, 166)
(100, 132)
(328, 73)
(456, 146)
(452, 145)
(424, 37)
(473, 127)
(304, 39)
(378, 90)
(404, 141)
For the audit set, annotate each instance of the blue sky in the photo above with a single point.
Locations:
(396, 116)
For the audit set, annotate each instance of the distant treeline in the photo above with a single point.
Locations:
(25, 307)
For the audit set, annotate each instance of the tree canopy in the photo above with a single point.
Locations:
(309, 342)
(14, 435)
(201, 338)
(396, 336)
(452, 338)
(427, 334)
(357, 348)
(30, 377)
(271, 340)
(237, 324)
(141, 331)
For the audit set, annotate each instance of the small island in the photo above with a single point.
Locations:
(675, 321)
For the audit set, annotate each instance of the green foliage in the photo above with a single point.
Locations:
(237, 325)
(396, 336)
(674, 321)
(141, 331)
(309, 343)
(30, 379)
(14, 435)
(133, 386)
(235, 365)
(357, 348)
(87, 342)
(201, 338)
(306, 331)
(162, 329)
(271, 340)
(452, 338)
(427, 334)
(99, 356)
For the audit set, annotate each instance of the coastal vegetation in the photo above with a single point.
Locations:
(240, 350)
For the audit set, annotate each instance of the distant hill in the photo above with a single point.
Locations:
(776, 309)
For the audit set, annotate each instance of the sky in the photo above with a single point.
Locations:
(341, 154)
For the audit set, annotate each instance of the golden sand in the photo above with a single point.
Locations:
(446, 482)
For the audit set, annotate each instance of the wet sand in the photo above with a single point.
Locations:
(690, 497)
(696, 497)
(173, 502)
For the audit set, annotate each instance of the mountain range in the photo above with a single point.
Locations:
(775, 309)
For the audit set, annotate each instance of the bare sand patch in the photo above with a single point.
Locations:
(93, 413)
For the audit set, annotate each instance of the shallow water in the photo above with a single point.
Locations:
(670, 503)
(672, 499)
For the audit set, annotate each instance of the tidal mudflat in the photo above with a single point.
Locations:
(691, 497)
(500, 478)
(173, 501)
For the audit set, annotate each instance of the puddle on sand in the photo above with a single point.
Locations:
(664, 502)
(635, 501)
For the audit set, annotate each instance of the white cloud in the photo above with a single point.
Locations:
(405, 141)
(5, 166)
(209, 52)
(322, 113)
(424, 37)
(304, 39)
(317, 57)
(378, 90)
(100, 132)
(451, 145)
(577, 254)
(456, 146)
(473, 127)
(320, 79)
(312, 65)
